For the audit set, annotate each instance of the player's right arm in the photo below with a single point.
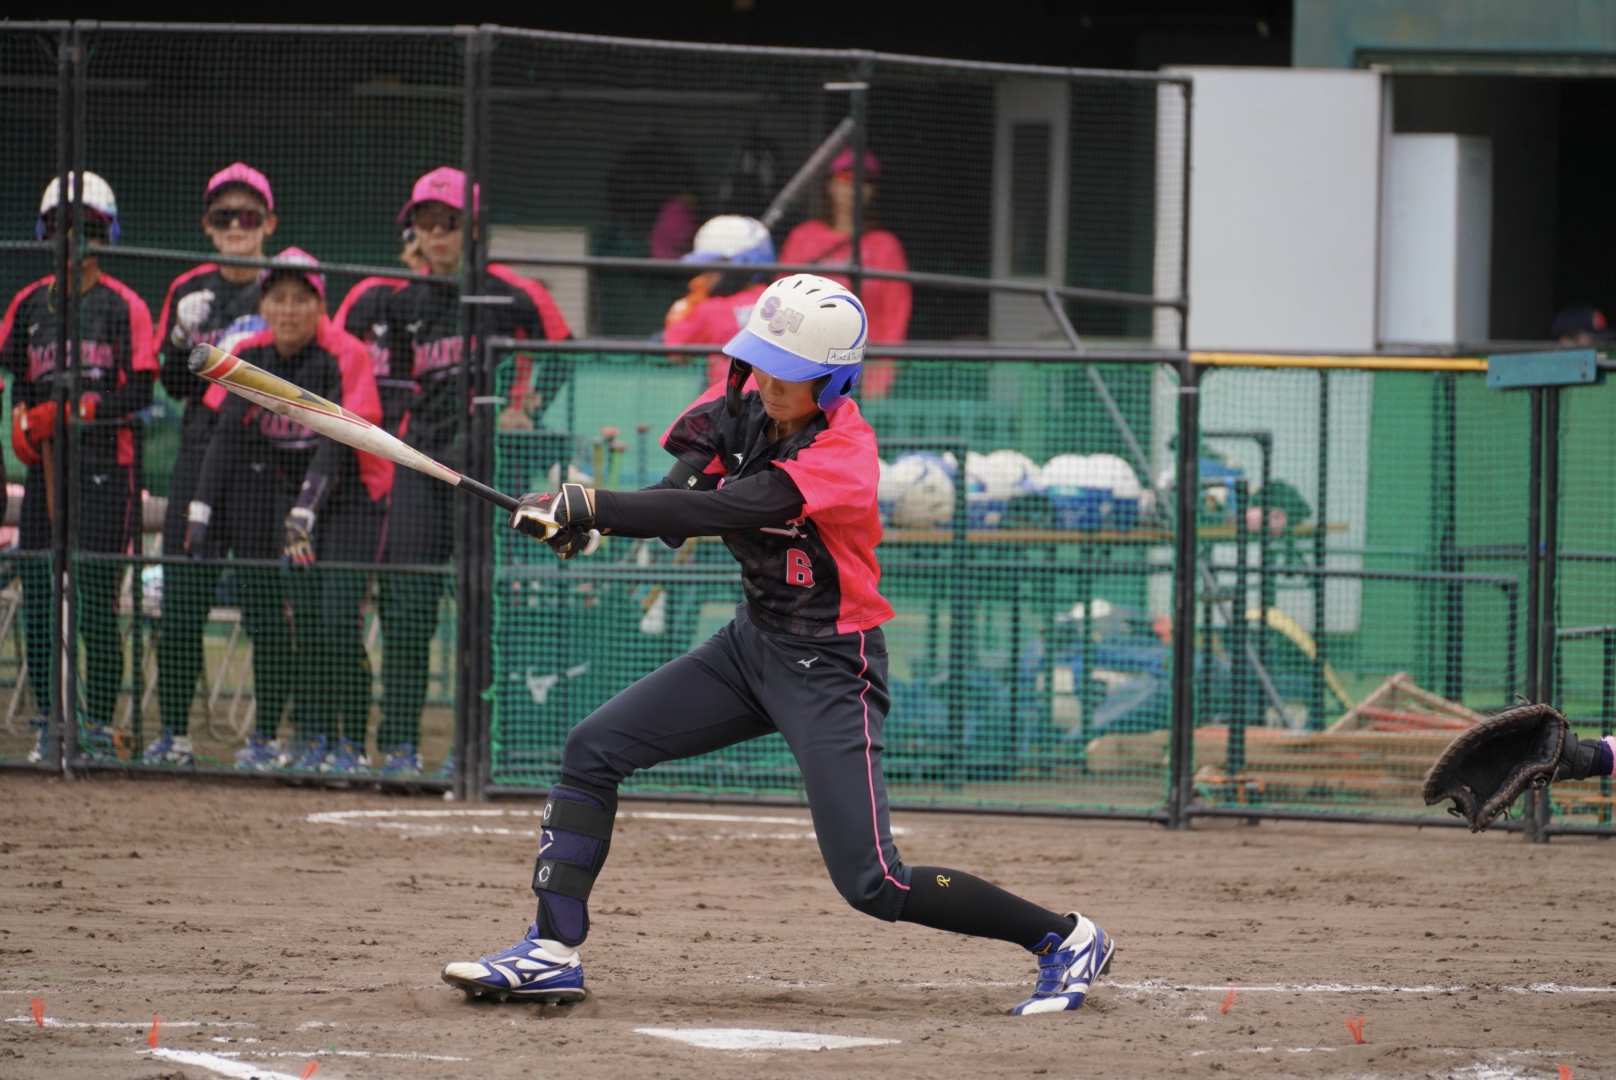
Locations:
(186, 308)
(219, 464)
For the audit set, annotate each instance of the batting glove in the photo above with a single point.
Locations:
(298, 549)
(189, 315)
(543, 515)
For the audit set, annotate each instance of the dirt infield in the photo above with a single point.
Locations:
(269, 928)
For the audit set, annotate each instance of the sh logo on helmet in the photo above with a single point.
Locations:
(780, 318)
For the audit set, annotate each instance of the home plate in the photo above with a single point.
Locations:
(760, 1039)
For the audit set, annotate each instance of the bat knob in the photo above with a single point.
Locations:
(198, 359)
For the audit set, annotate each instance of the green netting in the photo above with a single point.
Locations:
(341, 124)
(1365, 647)
(1031, 619)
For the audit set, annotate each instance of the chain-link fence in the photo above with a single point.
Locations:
(1355, 572)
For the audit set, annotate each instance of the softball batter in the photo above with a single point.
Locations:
(785, 474)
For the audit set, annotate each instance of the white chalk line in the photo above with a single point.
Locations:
(420, 822)
(755, 1039)
(223, 1066)
(1160, 987)
(142, 1025)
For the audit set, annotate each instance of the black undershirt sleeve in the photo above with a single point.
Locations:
(131, 397)
(221, 462)
(768, 498)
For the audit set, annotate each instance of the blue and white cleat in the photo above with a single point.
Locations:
(169, 749)
(401, 760)
(534, 969)
(306, 755)
(348, 757)
(1066, 969)
(259, 755)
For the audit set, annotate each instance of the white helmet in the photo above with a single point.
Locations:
(732, 238)
(805, 327)
(98, 199)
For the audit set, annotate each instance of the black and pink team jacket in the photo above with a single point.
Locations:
(232, 305)
(363, 313)
(423, 330)
(117, 364)
(336, 366)
(799, 513)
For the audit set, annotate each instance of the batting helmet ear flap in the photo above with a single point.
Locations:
(739, 372)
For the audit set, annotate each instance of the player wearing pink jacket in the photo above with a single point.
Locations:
(829, 243)
(720, 301)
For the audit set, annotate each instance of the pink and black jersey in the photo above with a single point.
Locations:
(232, 311)
(116, 362)
(424, 329)
(278, 446)
(798, 513)
(363, 313)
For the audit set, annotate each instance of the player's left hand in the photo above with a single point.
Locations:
(298, 549)
(542, 515)
(573, 541)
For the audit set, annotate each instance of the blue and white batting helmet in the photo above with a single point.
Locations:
(732, 238)
(806, 327)
(99, 203)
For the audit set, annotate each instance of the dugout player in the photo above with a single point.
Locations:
(424, 340)
(283, 491)
(828, 242)
(116, 367)
(786, 475)
(208, 304)
(363, 313)
(720, 301)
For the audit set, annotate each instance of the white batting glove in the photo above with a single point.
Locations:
(189, 315)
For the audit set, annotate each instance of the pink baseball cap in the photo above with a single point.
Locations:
(243, 175)
(844, 161)
(301, 258)
(444, 184)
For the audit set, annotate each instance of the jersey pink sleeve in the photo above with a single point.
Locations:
(357, 292)
(142, 346)
(359, 394)
(10, 319)
(554, 323)
(837, 472)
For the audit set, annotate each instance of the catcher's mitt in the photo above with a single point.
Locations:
(1487, 767)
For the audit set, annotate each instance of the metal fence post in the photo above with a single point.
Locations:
(1547, 595)
(61, 679)
(1534, 622)
(1181, 745)
(473, 593)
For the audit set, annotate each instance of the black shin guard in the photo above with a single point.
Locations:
(574, 837)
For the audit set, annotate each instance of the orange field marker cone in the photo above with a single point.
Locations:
(1565, 1072)
(1227, 1001)
(151, 1037)
(308, 1070)
(38, 1006)
(1356, 1027)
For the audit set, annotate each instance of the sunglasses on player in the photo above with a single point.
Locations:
(96, 227)
(245, 217)
(435, 221)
